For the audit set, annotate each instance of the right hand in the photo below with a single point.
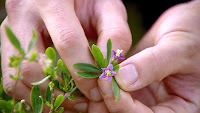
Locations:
(68, 23)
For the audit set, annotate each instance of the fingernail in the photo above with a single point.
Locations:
(128, 74)
(95, 94)
(82, 107)
(105, 87)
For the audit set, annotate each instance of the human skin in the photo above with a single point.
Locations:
(68, 24)
(163, 74)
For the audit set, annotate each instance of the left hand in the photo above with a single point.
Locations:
(164, 74)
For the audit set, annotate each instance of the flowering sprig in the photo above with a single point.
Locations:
(107, 67)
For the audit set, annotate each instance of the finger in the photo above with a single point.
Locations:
(70, 41)
(155, 63)
(97, 107)
(125, 103)
(111, 22)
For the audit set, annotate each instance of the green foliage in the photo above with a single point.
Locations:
(41, 81)
(13, 39)
(59, 110)
(87, 67)
(33, 56)
(32, 42)
(98, 56)
(5, 106)
(116, 89)
(116, 68)
(58, 101)
(36, 100)
(109, 49)
(51, 54)
(88, 74)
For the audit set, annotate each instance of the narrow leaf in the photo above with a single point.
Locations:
(36, 100)
(48, 94)
(116, 68)
(41, 81)
(33, 41)
(109, 49)
(87, 74)
(116, 89)
(51, 54)
(58, 101)
(98, 56)
(13, 39)
(58, 85)
(87, 67)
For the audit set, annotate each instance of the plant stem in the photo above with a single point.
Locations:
(67, 95)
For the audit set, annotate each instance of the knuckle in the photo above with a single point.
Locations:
(67, 39)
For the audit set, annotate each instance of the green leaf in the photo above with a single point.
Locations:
(33, 56)
(116, 68)
(18, 106)
(87, 74)
(59, 110)
(5, 106)
(116, 89)
(32, 42)
(58, 101)
(87, 67)
(114, 63)
(36, 100)
(48, 94)
(98, 56)
(13, 39)
(109, 49)
(51, 54)
(62, 67)
(71, 98)
(41, 81)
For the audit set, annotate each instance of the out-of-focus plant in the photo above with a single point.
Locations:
(52, 70)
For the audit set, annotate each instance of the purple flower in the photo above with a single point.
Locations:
(117, 54)
(108, 72)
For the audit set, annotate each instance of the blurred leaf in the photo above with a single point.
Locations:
(5, 106)
(18, 106)
(59, 110)
(13, 39)
(41, 81)
(71, 98)
(62, 67)
(87, 74)
(36, 100)
(116, 89)
(98, 56)
(33, 56)
(48, 94)
(51, 54)
(87, 67)
(1, 89)
(116, 68)
(109, 49)
(33, 41)
(15, 61)
(58, 101)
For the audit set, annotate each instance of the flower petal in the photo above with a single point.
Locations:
(103, 75)
(109, 78)
(113, 73)
(110, 67)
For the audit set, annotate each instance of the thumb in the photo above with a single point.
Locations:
(155, 63)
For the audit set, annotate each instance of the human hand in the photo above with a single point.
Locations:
(163, 74)
(68, 23)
